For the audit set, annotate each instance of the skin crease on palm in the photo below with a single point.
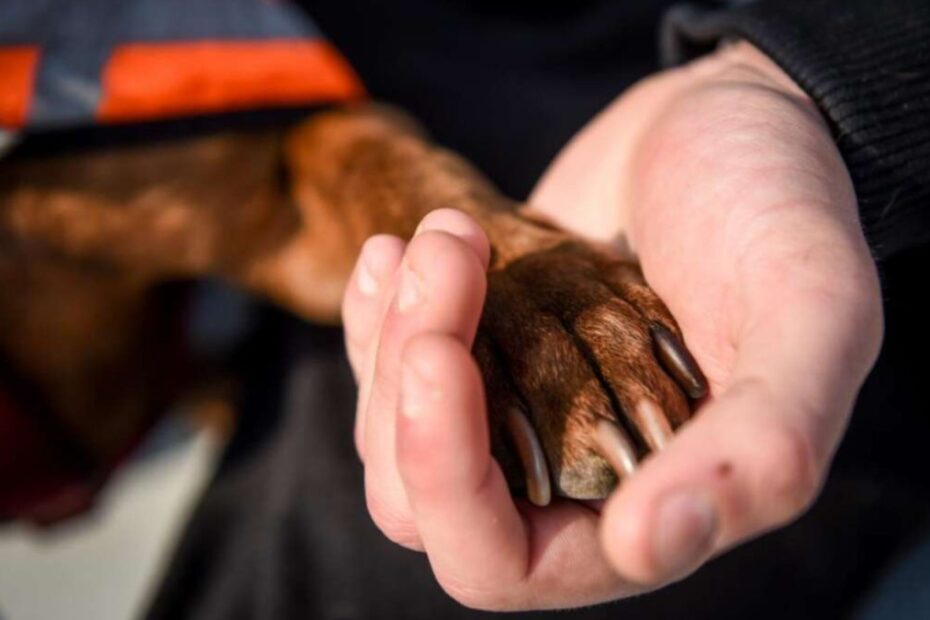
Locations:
(722, 180)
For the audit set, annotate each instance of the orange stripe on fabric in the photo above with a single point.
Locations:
(158, 80)
(18, 66)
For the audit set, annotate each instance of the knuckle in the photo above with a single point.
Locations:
(451, 220)
(427, 243)
(438, 247)
(407, 538)
(790, 474)
(397, 528)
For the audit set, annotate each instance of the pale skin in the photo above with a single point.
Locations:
(721, 178)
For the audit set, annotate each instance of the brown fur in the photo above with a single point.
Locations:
(565, 333)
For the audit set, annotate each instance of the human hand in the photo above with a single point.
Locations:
(432, 483)
(722, 179)
(422, 431)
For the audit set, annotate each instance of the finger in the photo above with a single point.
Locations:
(482, 550)
(364, 304)
(751, 460)
(445, 461)
(440, 288)
(460, 225)
(365, 297)
(443, 220)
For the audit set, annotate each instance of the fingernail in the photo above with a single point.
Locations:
(367, 283)
(374, 266)
(686, 524)
(409, 290)
(416, 392)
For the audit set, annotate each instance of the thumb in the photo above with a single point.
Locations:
(754, 457)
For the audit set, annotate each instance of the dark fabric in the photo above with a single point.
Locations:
(867, 65)
(505, 83)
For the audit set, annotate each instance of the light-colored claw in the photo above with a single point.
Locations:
(679, 363)
(652, 424)
(616, 447)
(525, 440)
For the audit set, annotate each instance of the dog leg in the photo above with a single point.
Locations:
(286, 214)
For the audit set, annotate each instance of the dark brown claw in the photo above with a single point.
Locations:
(679, 363)
(538, 486)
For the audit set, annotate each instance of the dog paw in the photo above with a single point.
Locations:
(584, 366)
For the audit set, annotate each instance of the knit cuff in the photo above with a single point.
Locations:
(866, 64)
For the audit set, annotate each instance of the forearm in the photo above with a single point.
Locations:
(371, 171)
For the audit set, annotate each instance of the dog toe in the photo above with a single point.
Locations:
(584, 363)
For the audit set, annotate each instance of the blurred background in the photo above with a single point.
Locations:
(265, 517)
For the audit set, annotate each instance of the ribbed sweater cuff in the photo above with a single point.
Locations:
(866, 64)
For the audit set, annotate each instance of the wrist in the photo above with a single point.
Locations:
(743, 59)
(587, 188)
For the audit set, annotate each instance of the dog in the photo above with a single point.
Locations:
(584, 366)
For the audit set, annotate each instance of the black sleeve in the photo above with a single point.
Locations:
(866, 64)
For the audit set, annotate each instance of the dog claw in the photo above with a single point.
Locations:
(652, 424)
(538, 486)
(616, 448)
(678, 361)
